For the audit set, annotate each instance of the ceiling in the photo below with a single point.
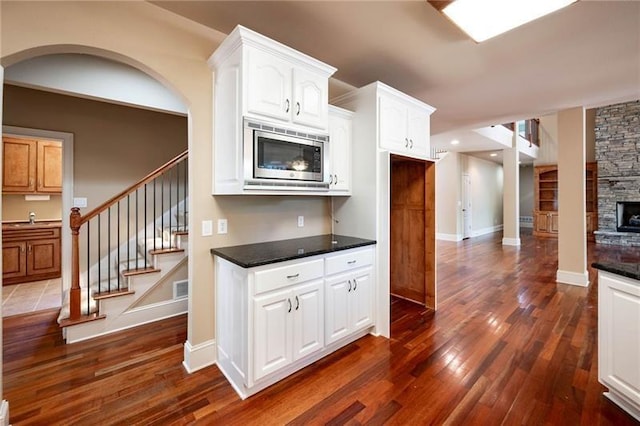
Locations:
(587, 54)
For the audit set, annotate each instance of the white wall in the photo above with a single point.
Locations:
(448, 197)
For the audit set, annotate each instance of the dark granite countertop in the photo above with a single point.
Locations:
(629, 270)
(250, 255)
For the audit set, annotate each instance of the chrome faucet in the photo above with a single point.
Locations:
(32, 218)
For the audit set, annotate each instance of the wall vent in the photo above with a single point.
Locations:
(180, 289)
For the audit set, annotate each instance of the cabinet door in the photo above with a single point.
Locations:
(310, 99)
(308, 319)
(49, 166)
(542, 222)
(19, 165)
(418, 131)
(43, 257)
(268, 86)
(340, 147)
(553, 224)
(14, 263)
(619, 335)
(271, 332)
(360, 300)
(393, 125)
(337, 307)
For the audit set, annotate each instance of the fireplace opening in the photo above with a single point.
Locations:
(628, 216)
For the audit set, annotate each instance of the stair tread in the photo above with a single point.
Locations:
(84, 318)
(138, 271)
(113, 293)
(166, 250)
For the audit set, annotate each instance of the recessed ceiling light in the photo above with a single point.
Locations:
(493, 154)
(455, 142)
(482, 20)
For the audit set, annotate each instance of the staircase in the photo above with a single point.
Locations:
(129, 256)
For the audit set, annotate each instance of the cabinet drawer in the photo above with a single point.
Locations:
(351, 260)
(274, 278)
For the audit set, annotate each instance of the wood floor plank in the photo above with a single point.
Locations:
(508, 345)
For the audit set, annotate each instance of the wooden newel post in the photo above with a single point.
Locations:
(75, 221)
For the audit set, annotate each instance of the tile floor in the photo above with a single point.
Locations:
(29, 297)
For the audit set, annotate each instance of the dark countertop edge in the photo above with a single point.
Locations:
(291, 257)
(623, 269)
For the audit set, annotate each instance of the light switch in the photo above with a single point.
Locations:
(300, 221)
(207, 228)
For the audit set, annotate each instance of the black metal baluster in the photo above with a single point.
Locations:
(88, 267)
(170, 207)
(155, 216)
(118, 253)
(109, 249)
(177, 202)
(99, 262)
(146, 224)
(162, 210)
(136, 238)
(128, 231)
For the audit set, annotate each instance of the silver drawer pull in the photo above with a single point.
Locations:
(351, 262)
(293, 276)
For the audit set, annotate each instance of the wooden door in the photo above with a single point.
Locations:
(19, 165)
(413, 230)
(49, 175)
(43, 257)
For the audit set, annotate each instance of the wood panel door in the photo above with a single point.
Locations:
(43, 257)
(413, 231)
(14, 264)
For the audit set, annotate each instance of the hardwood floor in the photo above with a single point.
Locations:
(507, 346)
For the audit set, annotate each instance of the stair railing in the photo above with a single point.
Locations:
(157, 200)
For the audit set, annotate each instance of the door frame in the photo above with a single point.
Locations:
(67, 187)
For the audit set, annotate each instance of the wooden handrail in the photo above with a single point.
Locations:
(151, 176)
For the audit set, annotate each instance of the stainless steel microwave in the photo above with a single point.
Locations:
(283, 157)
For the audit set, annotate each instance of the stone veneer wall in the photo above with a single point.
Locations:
(618, 156)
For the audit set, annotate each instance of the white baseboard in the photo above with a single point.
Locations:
(573, 278)
(489, 230)
(4, 413)
(449, 237)
(199, 356)
(511, 241)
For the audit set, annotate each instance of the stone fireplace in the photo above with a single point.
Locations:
(618, 156)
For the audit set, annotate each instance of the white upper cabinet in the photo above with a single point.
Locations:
(401, 124)
(277, 83)
(404, 126)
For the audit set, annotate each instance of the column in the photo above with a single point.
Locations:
(511, 193)
(572, 222)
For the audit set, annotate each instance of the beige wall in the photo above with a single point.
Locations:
(526, 190)
(163, 291)
(448, 196)
(487, 183)
(175, 51)
(548, 153)
(114, 146)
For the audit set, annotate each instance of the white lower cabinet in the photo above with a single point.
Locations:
(619, 340)
(288, 326)
(275, 319)
(348, 307)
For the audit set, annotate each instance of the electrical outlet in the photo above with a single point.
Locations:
(222, 226)
(300, 221)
